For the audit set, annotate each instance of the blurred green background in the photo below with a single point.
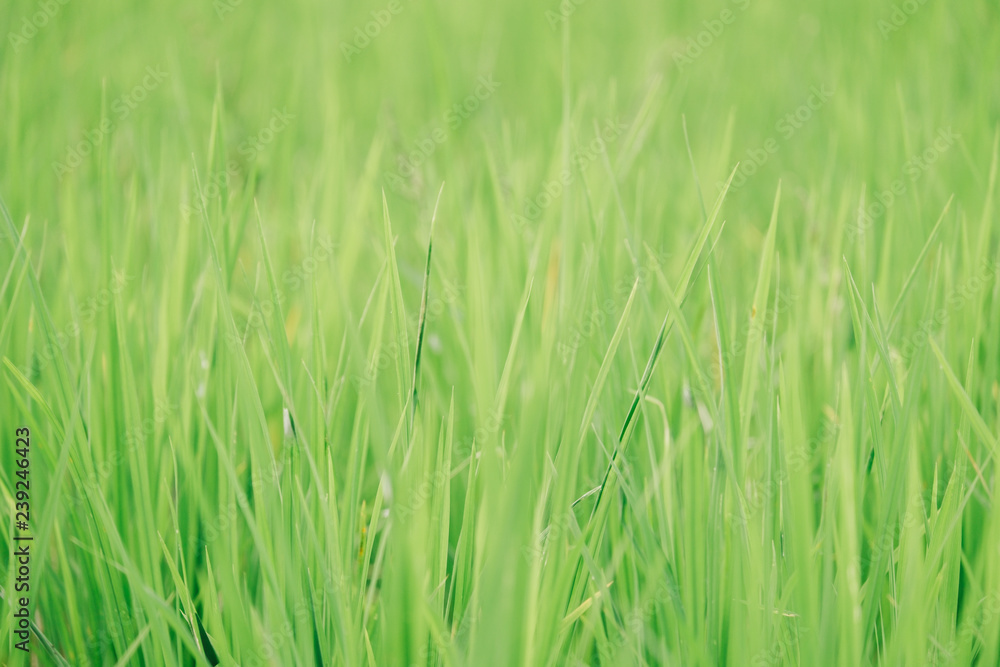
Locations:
(158, 355)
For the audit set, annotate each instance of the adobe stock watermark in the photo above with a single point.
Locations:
(292, 280)
(134, 439)
(758, 495)
(224, 7)
(123, 626)
(250, 148)
(424, 148)
(47, 10)
(955, 300)
(901, 13)
(754, 329)
(552, 189)
(88, 311)
(423, 492)
(565, 9)
(364, 35)
(429, 655)
(912, 170)
(275, 640)
(786, 127)
(586, 326)
(386, 354)
(253, 145)
(122, 107)
(912, 518)
(782, 651)
(938, 654)
(224, 178)
(701, 42)
(635, 621)
(560, 525)
(228, 516)
(432, 482)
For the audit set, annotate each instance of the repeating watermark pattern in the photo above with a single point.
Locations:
(912, 170)
(123, 626)
(88, 311)
(913, 517)
(786, 127)
(292, 280)
(250, 148)
(423, 493)
(388, 353)
(47, 10)
(550, 191)
(754, 329)
(434, 481)
(586, 326)
(782, 650)
(364, 35)
(253, 145)
(955, 300)
(423, 148)
(134, 439)
(126, 626)
(636, 620)
(122, 107)
(224, 178)
(801, 455)
(899, 16)
(970, 632)
(228, 516)
(563, 524)
(701, 42)
(225, 7)
(428, 654)
(274, 640)
(565, 9)
(490, 426)
(798, 459)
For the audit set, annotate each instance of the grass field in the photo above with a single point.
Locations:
(441, 333)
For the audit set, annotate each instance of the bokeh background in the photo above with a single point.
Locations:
(212, 320)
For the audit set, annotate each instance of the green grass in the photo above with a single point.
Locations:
(622, 333)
